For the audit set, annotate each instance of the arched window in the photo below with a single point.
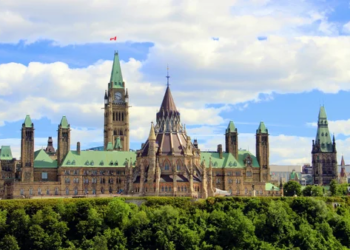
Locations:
(67, 191)
(166, 166)
(102, 190)
(178, 168)
(110, 190)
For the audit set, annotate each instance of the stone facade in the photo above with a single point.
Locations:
(169, 163)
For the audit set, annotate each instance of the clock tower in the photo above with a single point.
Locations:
(116, 106)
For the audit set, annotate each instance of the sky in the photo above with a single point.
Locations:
(245, 61)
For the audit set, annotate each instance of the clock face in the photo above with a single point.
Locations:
(118, 96)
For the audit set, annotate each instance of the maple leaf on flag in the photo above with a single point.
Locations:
(113, 38)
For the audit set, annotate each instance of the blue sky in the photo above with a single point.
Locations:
(258, 60)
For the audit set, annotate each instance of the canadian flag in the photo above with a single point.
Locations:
(113, 38)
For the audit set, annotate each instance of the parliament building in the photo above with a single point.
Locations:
(169, 163)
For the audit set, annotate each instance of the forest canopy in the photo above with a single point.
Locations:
(176, 223)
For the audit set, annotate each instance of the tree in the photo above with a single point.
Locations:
(9, 242)
(291, 188)
(334, 187)
(313, 191)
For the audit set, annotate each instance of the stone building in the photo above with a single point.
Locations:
(324, 153)
(169, 163)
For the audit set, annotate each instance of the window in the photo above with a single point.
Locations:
(178, 168)
(67, 180)
(230, 181)
(110, 190)
(238, 173)
(162, 189)
(48, 191)
(185, 189)
(22, 192)
(66, 172)
(56, 191)
(39, 191)
(93, 191)
(166, 189)
(102, 190)
(67, 191)
(169, 189)
(86, 191)
(249, 174)
(76, 172)
(30, 191)
(166, 167)
(75, 191)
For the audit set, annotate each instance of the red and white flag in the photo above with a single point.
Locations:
(113, 38)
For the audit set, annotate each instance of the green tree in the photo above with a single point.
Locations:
(312, 190)
(334, 187)
(9, 242)
(291, 188)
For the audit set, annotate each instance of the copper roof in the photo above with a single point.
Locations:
(168, 103)
(342, 161)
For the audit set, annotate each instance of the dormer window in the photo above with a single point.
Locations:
(92, 163)
(68, 162)
(87, 163)
(73, 162)
(101, 163)
(111, 163)
(116, 163)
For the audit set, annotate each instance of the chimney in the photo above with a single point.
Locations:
(78, 148)
(220, 150)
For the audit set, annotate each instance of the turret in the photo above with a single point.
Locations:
(63, 140)
(152, 158)
(262, 151)
(27, 150)
(231, 139)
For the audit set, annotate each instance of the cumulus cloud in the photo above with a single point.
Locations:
(235, 69)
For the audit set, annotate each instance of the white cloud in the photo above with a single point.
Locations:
(235, 69)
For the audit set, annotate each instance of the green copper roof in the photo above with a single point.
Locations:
(28, 122)
(270, 187)
(5, 153)
(116, 81)
(64, 122)
(322, 113)
(323, 136)
(261, 129)
(294, 175)
(228, 160)
(98, 158)
(109, 146)
(43, 160)
(117, 144)
(231, 127)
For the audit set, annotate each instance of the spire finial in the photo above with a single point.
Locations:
(167, 75)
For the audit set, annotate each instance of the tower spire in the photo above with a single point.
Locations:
(167, 76)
